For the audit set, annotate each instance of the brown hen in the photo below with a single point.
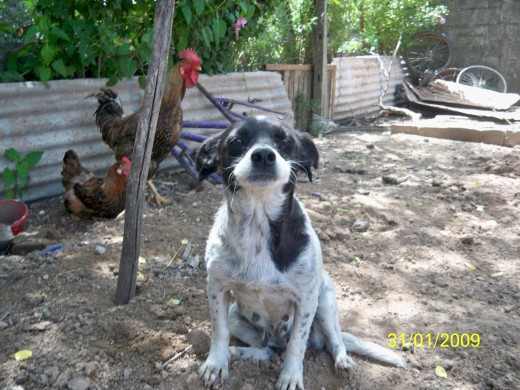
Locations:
(87, 195)
(119, 131)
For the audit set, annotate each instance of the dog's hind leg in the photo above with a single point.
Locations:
(327, 329)
(247, 333)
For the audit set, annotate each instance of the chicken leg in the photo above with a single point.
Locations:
(160, 200)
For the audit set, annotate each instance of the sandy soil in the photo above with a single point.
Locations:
(436, 254)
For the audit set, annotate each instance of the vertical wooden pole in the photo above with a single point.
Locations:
(148, 115)
(319, 77)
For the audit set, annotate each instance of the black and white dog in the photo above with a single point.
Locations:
(263, 250)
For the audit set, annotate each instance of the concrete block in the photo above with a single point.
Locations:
(462, 129)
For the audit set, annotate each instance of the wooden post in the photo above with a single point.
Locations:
(319, 77)
(148, 115)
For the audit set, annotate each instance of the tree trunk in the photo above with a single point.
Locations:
(148, 115)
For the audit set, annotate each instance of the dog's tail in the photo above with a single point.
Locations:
(367, 348)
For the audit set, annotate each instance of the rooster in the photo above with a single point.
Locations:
(119, 131)
(87, 195)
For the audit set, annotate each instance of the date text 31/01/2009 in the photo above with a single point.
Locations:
(439, 340)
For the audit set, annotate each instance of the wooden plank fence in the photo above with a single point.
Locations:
(297, 80)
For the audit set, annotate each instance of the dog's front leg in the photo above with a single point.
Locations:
(218, 359)
(291, 376)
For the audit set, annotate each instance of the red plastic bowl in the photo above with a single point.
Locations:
(14, 212)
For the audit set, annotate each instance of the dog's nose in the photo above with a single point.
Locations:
(263, 157)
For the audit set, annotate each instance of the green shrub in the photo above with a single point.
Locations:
(16, 178)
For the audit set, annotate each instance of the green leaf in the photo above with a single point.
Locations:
(128, 67)
(250, 13)
(206, 36)
(219, 29)
(186, 11)
(9, 177)
(33, 158)
(59, 33)
(44, 73)
(124, 50)
(59, 66)
(142, 81)
(47, 53)
(243, 5)
(31, 32)
(199, 6)
(43, 24)
(12, 154)
(9, 194)
(22, 171)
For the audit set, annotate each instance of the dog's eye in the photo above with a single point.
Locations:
(284, 144)
(235, 142)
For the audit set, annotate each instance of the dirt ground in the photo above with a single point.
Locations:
(434, 259)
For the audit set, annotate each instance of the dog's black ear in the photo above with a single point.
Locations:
(309, 156)
(208, 157)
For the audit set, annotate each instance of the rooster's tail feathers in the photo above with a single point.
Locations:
(109, 106)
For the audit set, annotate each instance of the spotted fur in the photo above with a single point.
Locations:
(263, 252)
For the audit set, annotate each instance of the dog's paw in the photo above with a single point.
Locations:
(291, 377)
(343, 362)
(213, 368)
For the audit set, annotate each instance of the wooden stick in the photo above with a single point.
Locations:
(148, 115)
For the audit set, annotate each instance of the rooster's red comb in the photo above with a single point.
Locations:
(190, 55)
(126, 160)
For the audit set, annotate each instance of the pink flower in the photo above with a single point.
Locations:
(442, 20)
(241, 22)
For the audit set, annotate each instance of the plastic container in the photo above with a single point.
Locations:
(14, 212)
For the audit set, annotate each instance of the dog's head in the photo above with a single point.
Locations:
(257, 152)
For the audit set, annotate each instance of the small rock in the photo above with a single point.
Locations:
(363, 191)
(52, 373)
(467, 207)
(127, 373)
(91, 369)
(509, 309)
(78, 384)
(43, 380)
(200, 341)
(33, 299)
(3, 325)
(360, 225)
(388, 266)
(100, 250)
(448, 364)
(62, 379)
(194, 261)
(39, 326)
(194, 382)
(394, 180)
(467, 240)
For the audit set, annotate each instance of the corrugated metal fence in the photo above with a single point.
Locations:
(55, 116)
(360, 82)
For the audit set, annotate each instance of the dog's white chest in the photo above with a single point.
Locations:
(265, 306)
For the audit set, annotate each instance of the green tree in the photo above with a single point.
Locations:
(355, 26)
(112, 38)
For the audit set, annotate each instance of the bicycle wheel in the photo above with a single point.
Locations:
(428, 52)
(447, 74)
(482, 77)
